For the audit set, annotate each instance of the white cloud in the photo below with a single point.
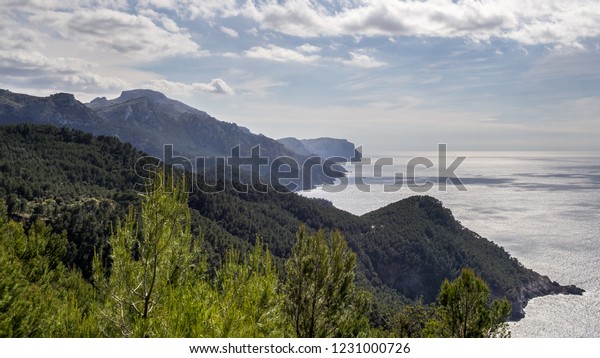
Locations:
(162, 19)
(34, 60)
(32, 68)
(36, 4)
(280, 54)
(32, 5)
(361, 59)
(106, 4)
(135, 36)
(22, 65)
(259, 87)
(529, 22)
(253, 31)
(216, 86)
(229, 32)
(88, 81)
(15, 36)
(194, 9)
(308, 48)
(230, 55)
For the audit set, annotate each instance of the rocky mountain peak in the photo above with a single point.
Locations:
(63, 98)
(141, 93)
(99, 101)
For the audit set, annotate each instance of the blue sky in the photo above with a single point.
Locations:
(388, 75)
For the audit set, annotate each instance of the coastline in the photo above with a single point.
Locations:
(539, 287)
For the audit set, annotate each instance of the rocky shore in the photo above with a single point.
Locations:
(538, 287)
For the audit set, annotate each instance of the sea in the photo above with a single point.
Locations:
(542, 207)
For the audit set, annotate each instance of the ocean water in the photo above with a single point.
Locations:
(542, 207)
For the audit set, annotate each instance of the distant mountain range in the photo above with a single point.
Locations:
(149, 120)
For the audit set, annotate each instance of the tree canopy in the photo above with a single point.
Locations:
(322, 300)
(464, 311)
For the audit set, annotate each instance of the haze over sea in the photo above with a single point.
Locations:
(542, 207)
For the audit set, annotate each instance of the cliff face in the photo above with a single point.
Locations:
(323, 147)
(538, 287)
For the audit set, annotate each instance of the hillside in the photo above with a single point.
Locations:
(81, 184)
(149, 120)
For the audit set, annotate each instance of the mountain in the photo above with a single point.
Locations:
(295, 145)
(149, 120)
(61, 109)
(323, 147)
(81, 184)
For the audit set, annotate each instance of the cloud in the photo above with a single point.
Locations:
(229, 32)
(15, 36)
(32, 5)
(23, 66)
(216, 86)
(564, 22)
(36, 4)
(136, 36)
(308, 48)
(259, 87)
(194, 9)
(361, 59)
(166, 22)
(280, 54)
(21, 60)
(253, 31)
(34, 69)
(230, 55)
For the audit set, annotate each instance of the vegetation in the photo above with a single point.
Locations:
(154, 283)
(321, 296)
(156, 287)
(147, 261)
(464, 312)
(39, 297)
(411, 319)
(80, 188)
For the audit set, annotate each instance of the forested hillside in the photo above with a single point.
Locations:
(81, 185)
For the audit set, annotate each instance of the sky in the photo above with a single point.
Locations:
(387, 75)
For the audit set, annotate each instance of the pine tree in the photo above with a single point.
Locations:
(148, 260)
(464, 312)
(321, 296)
(249, 303)
(39, 297)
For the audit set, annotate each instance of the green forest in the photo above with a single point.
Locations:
(85, 253)
(155, 283)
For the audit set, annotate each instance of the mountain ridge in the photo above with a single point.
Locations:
(150, 120)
